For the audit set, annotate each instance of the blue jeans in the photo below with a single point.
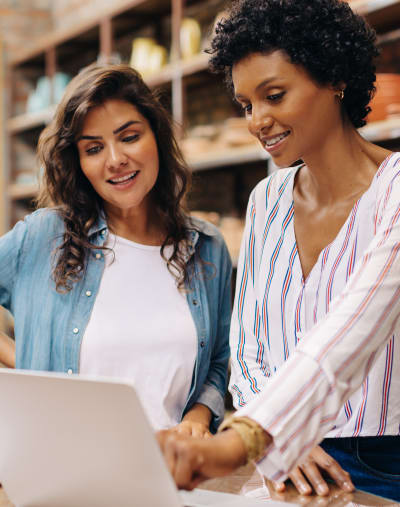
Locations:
(372, 462)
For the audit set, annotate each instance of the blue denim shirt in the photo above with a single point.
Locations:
(49, 326)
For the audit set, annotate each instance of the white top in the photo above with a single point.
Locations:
(141, 330)
(323, 352)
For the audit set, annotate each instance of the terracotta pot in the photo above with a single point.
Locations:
(387, 93)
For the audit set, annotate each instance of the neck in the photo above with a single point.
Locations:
(342, 167)
(139, 225)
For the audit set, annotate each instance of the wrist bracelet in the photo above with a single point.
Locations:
(253, 435)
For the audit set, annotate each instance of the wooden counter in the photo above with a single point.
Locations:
(248, 482)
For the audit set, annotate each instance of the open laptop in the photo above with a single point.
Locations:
(71, 441)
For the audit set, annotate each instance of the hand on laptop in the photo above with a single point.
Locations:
(192, 429)
(195, 423)
(308, 478)
(193, 460)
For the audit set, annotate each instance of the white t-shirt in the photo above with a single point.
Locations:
(141, 330)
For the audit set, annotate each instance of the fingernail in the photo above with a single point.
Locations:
(305, 489)
(348, 485)
(322, 489)
(280, 486)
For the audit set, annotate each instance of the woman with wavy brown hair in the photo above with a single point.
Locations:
(112, 277)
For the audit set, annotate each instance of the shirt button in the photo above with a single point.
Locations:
(69, 372)
(202, 344)
(98, 256)
(195, 302)
(88, 293)
(75, 330)
(103, 232)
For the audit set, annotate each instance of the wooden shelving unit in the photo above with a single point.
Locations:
(110, 30)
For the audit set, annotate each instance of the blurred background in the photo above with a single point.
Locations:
(44, 43)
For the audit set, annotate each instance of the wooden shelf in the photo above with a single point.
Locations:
(30, 121)
(22, 191)
(227, 157)
(383, 15)
(382, 130)
(58, 37)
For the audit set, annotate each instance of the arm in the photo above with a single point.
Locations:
(300, 403)
(249, 369)
(214, 388)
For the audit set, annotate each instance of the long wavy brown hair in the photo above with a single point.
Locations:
(66, 188)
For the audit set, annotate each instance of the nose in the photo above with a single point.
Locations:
(116, 157)
(260, 120)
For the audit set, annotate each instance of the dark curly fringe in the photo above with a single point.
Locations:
(65, 187)
(326, 37)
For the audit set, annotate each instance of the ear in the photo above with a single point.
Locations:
(338, 88)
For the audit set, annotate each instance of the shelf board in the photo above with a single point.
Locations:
(385, 130)
(181, 68)
(227, 157)
(29, 121)
(22, 191)
(57, 37)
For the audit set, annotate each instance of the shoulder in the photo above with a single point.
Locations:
(203, 227)
(45, 221)
(207, 238)
(272, 187)
(388, 170)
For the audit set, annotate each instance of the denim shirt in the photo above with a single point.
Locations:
(49, 326)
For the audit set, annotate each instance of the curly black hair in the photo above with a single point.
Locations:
(332, 43)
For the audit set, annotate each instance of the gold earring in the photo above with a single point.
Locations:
(341, 94)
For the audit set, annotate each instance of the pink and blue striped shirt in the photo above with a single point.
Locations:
(318, 357)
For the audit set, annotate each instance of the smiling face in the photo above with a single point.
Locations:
(287, 111)
(119, 156)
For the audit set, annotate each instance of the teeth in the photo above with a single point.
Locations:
(274, 140)
(123, 178)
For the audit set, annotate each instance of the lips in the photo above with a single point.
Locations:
(271, 141)
(123, 179)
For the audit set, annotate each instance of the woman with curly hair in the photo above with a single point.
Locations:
(113, 278)
(315, 326)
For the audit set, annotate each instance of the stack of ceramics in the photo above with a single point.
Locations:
(387, 97)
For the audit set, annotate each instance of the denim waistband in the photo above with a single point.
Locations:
(352, 443)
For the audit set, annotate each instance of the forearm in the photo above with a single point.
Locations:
(7, 351)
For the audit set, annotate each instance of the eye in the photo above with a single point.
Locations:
(94, 149)
(130, 138)
(275, 97)
(247, 109)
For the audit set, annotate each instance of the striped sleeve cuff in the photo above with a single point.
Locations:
(297, 415)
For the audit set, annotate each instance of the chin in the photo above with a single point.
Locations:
(286, 161)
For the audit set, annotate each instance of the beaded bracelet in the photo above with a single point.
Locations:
(253, 435)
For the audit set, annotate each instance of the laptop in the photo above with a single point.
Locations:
(72, 441)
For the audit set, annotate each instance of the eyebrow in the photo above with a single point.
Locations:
(262, 84)
(116, 131)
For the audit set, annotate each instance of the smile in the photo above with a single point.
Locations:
(272, 141)
(123, 179)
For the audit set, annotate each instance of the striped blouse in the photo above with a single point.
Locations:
(321, 356)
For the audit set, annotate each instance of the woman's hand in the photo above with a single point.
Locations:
(7, 351)
(196, 422)
(307, 477)
(192, 429)
(192, 460)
